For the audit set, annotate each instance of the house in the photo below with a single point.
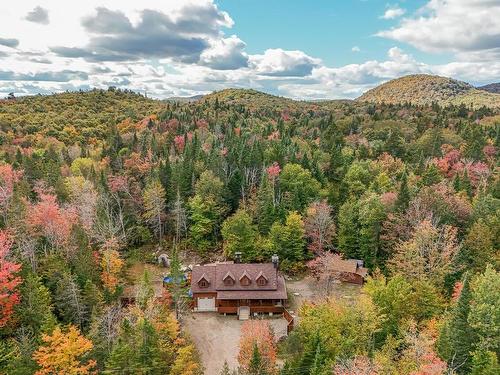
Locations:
(238, 288)
(348, 270)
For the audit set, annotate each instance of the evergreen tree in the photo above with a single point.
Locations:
(35, 309)
(403, 194)
(288, 240)
(256, 366)
(457, 337)
(314, 356)
(348, 230)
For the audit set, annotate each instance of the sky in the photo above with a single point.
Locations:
(303, 49)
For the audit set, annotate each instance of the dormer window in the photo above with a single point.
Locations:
(245, 279)
(203, 282)
(228, 279)
(261, 279)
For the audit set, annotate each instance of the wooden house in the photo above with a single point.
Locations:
(348, 270)
(238, 288)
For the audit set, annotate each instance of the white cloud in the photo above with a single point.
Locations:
(393, 12)
(225, 54)
(84, 47)
(459, 26)
(280, 63)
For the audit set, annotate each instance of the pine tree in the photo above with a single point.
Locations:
(69, 301)
(35, 310)
(457, 337)
(403, 194)
(348, 232)
(121, 359)
(256, 366)
(313, 357)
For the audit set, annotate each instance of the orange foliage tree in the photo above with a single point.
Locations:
(9, 296)
(64, 353)
(111, 265)
(257, 332)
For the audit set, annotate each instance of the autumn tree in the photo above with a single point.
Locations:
(154, 206)
(319, 226)
(64, 352)
(9, 280)
(52, 221)
(257, 334)
(111, 266)
(428, 254)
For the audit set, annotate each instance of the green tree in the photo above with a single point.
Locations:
(204, 215)
(288, 240)
(484, 317)
(371, 214)
(485, 363)
(403, 194)
(35, 309)
(348, 229)
(457, 337)
(239, 234)
(256, 366)
(298, 187)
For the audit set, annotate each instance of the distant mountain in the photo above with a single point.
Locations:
(424, 89)
(185, 99)
(492, 87)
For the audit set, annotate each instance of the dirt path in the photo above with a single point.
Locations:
(217, 338)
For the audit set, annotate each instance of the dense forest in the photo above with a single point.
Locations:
(91, 182)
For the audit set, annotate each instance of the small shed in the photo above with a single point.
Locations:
(349, 270)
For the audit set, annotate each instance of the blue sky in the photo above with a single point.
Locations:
(295, 48)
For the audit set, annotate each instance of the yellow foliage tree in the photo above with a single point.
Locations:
(111, 265)
(63, 353)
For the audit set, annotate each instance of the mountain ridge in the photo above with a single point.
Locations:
(425, 89)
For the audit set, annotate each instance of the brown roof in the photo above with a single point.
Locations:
(348, 265)
(279, 293)
(217, 272)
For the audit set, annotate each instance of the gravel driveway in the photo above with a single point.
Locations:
(217, 338)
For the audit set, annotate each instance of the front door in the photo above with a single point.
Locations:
(244, 302)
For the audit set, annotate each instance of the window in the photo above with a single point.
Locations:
(245, 281)
(203, 284)
(228, 281)
(261, 281)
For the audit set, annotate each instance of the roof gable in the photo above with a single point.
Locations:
(219, 272)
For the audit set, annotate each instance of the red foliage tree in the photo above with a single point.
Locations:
(50, 220)
(9, 296)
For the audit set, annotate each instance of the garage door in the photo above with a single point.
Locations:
(206, 304)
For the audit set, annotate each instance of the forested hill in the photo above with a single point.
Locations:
(422, 89)
(74, 116)
(92, 182)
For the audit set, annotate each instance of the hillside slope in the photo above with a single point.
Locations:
(422, 89)
(492, 87)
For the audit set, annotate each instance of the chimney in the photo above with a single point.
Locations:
(237, 257)
(275, 259)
